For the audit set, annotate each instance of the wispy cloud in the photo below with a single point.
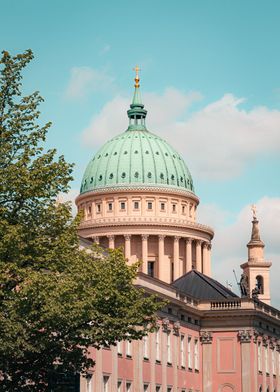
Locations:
(85, 80)
(219, 140)
(106, 48)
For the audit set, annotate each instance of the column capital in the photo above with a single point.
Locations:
(161, 237)
(176, 238)
(206, 337)
(95, 239)
(199, 242)
(127, 237)
(176, 328)
(145, 237)
(110, 237)
(209, 245)
(245, 336)
(205, 245)
(189, 240)
(166, 325)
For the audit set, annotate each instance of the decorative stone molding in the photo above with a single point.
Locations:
(127, 237)
(272, 343)
(209, 246)
(166, 325)
(144, 237)
(206, 337)
(278, 345)
(256, 334)
(176, 328)
(95, 239)
(265, 340)
(161, 237)
(176, 238)
(199, 242)
(205, 245)
(189, 240)
(245, 336)
(110, 237)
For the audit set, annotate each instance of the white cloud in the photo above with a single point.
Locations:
(218, 140)
(70, 196)
(229, 245)
(84, 80)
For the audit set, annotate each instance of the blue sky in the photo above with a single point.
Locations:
(210, 80)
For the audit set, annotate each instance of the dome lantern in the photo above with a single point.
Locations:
(137, 113)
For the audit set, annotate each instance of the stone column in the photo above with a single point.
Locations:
(127, 246)
(161, 267)
(198, 255)
(188, 254)
(206, 342)
(111, 241)
(209, 260)
(145, 253)
(176, 260)
(205, 258)
(95, 239)
(247, 370)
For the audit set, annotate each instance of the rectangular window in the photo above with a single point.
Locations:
(146, 387)
(259, 357)
(196, 354)
(122, 205)
(150, 205)
(151, 268)
(110, 207)
(119, 348)
(89, 210)
(128, 348)
(158, 345)
(136, 205)
(105, 383)
(182, 351)
(146, 347)
(128, 387)
(120, 386)
(173, 207)
(169, 355)
(273, 359)
(266, 359)
(98, 208)
(183, 209)
(169, 389)
(158, 388)
(162, 206)
(189, 352)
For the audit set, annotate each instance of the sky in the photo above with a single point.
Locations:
(210, 80)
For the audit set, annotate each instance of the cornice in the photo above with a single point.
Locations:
(138, 188)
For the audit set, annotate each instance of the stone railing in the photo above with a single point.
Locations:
(150, 220)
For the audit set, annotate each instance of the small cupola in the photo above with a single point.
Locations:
(137, 113)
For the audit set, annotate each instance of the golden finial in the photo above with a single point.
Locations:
(137, 79)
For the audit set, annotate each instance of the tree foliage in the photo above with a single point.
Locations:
(56, 300)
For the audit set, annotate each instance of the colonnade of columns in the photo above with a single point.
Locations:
(201, 260)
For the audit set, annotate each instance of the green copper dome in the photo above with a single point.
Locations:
(136, 158)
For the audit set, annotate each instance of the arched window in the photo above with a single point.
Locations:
(259, 284)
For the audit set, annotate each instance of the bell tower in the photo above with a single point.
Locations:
(255, 279)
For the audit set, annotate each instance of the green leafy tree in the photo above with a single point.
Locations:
(56, 300)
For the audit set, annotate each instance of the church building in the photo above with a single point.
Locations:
(137, 193)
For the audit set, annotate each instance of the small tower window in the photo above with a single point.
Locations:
(122, 205)
(123, 175)
(98, 208)
(110, 206)
(100, 177)
(173, 207)
(183, 209)
(136, 205)
(111, 176)
(162, 176)
(150, 205)
(125, 152)
(259, 284)
(149, 175)
(136, 175)
(162, 206)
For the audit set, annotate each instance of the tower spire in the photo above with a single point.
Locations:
(137, 113)
(256, 269)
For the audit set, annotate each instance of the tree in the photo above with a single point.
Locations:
(55, 299)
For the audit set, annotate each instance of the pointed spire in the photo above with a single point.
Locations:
(137, 113)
